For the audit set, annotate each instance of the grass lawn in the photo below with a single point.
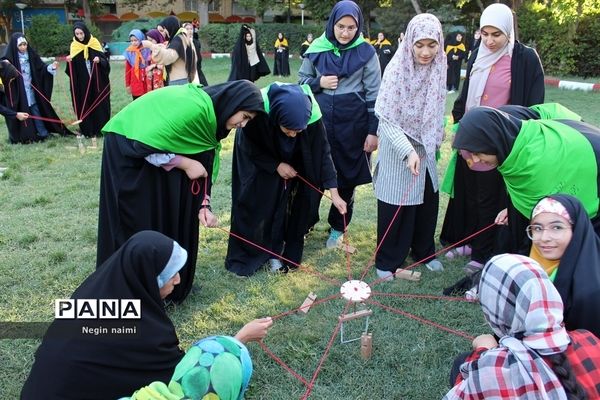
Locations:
(48, 221)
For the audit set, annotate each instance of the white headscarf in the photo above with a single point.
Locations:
(500, 17)
(412, 96)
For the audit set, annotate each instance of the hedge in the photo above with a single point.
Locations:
(220, 38)
(50, 38)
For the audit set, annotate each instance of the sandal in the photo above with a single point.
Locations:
(461, 251)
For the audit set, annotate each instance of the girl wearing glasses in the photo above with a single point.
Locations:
(342, 70)
(566, 246)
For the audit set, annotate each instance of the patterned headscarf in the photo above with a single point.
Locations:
(500, 17)
(214, 368)
(412, 96)
(550, 205)
(525, 310)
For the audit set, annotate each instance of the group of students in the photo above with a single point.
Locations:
(157, 175)
(27, 84)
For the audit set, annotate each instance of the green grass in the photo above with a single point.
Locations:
(48, 221)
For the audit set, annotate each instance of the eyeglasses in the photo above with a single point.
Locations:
(555, 231)
(343, 28)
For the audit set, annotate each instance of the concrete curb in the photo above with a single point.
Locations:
(572, 85)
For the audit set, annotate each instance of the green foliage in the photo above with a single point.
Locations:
(565, 47)
(50, 38)
(220, 38)
(587, 57)
(121, 34)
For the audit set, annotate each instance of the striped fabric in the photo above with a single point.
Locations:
(394, 183)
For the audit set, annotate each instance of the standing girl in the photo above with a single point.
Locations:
(410, 107)
(154, 71)
(179, 57)
(501, 71)
(247, 60)
(456, 53)
(281, 66)
(342, 69)
(28, 89)
(136, 59)
(89, 69)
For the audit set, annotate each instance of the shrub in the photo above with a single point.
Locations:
(50, 38)
(220, 38)
(121, 34)
(587, 58)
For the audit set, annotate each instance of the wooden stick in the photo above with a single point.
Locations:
(366, 345)
(414, 276)
(310, 299)
(355, 315)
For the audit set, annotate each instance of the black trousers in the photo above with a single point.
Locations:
(413, 228)
(335, 219)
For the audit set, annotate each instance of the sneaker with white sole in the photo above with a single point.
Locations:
(334, 239)
(385, 275)
(434, 265)
(275, 265)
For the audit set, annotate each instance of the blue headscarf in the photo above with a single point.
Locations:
(130, 54)
(350, 60)
(290, 107)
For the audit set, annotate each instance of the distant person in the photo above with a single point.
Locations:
(88, 69)
(179, 57)
(155, 72)
(281, 63)
(136, 61)
(189, 28)
(456, 52)
(306, 44)
(247, 59)
(384, 49)
(28, 83)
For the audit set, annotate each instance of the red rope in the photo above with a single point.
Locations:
(434, 254)
(387, 230)
(325, 354)
(101, 96)
(312, 186)
(323, 300)
(280, 362)
(44, 118)
(87, 90)
(421, 296)
(346, 240)
(74, 98)
(422, 320)
(300, 267)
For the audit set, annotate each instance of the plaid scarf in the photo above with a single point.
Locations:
(525, 310)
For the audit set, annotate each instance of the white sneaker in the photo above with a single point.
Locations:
(275, 264)
(450, 91)
(434, 265)
(385, 275)
(334, 239)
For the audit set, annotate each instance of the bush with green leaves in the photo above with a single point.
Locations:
(50, 37)
(587, 56)
(121, 34)
(220, 38)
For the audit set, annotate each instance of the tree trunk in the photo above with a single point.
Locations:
(417, 7)
(87, 14)
(203, 13)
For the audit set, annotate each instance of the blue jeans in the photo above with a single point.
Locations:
(39, 124)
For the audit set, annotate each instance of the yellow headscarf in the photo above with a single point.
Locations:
(456, 48)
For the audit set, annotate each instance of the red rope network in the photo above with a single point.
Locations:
(309, 384)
